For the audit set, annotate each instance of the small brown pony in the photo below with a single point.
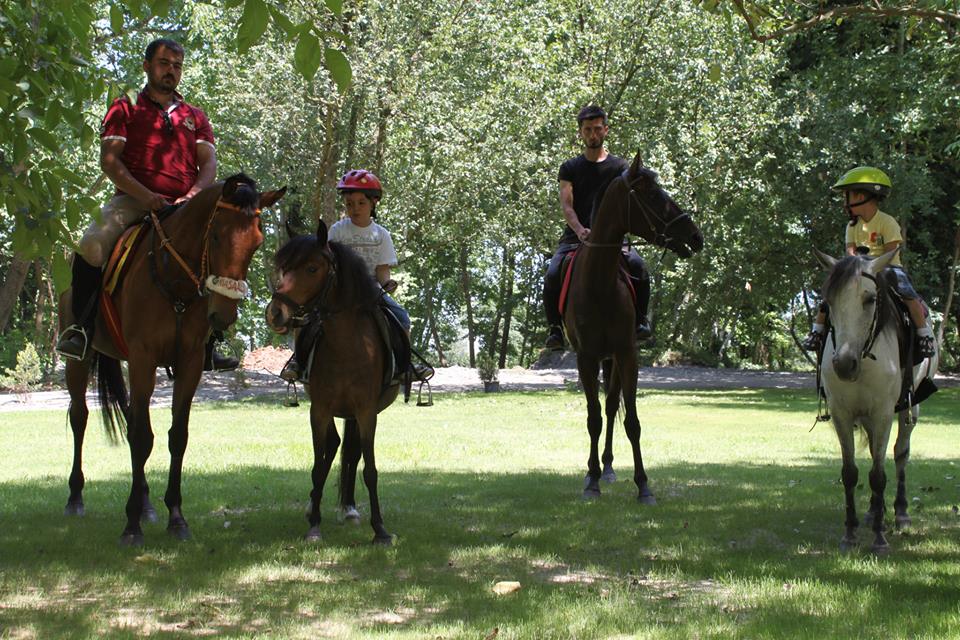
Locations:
(599, 314)
(186, 277)
(325, 287)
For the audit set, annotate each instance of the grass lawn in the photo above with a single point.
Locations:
(479, 489)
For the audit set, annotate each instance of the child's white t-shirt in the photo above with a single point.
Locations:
(372, 243)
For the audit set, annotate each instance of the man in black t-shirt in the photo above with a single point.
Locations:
(581, 178)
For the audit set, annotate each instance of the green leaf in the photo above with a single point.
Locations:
(159, 7)
(339, 68)
(716, 72)
(253, 23)
(45, 138)
(60, 269)
(20, 148)
(52, 117)
(69, 176)
(116, 18)
(307, 56)
(283, 22)
(72, 210)
(232, 4)
(336, 6)
(56, 192)
(342, 37)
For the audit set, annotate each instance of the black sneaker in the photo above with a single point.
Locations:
(927, 346)
(643, 330)
(291, 371)
(813, 341)
(554, 341)
(217, 362)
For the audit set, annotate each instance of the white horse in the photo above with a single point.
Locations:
(862, 379)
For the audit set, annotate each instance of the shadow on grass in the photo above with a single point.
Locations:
(749, 548)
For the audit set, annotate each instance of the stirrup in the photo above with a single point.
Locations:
(292, 400)
(928, 347)
(291, 370)
(420, 401)
(70, 331)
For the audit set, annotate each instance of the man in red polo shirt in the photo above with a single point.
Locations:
(158, 150)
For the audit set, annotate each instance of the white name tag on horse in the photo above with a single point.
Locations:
(235, 289)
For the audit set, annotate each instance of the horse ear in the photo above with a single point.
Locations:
(637, 164)
(269, 198)
(826, 261)
(880, 263)
(322, 232)
(291, 232)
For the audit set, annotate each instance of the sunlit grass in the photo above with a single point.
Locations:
(482, 489)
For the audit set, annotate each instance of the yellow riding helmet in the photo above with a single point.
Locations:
(868, 179)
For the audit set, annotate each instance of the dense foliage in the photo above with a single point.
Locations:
(748, 111)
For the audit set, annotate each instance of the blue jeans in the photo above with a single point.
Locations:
(397, 310)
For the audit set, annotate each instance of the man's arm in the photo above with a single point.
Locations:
(111, 161)
(569, 213)
(207, 163)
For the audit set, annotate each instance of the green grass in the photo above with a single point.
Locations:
(480, 489)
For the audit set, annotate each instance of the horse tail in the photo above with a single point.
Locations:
(112, 394)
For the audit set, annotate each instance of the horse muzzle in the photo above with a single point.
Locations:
(846, 364)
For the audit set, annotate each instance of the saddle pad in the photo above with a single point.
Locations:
(111, 277)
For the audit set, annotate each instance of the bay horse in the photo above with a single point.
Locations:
(862, 379)
(599, 314)
(325, 287)
(184, 278)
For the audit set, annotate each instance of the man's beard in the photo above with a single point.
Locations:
(594, 145)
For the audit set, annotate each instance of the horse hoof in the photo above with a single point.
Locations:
(74, 509)
(384, 540)
(902, 521)
(149, 515)
(591, 494)
(868, 519)
(646, 499)
(880, 549)
(350, 515)
(848, 544)
(313, 535)
(179, 530)
(609, 476)
(131, 540)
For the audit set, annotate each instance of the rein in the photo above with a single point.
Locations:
(660, 239)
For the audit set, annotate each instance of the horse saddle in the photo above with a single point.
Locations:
(398, 370)
(910, 357)
(114, 271)
(566, 273)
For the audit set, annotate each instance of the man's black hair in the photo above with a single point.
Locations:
(173, 45)
(590, 112)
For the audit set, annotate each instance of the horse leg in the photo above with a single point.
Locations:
(77, 375)
(143, 378)
(589, 368)
(320, 422)
(367, 424)
(184, 388)
(878, 433)
(627, 370)
(849, 475)
(349, 460)
(609, 475)
(901, 452)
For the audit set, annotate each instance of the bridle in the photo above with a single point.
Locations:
(206, 282)
(315, 309)
(874, 332)
(658, 223)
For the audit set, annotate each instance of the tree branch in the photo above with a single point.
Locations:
(844, 12)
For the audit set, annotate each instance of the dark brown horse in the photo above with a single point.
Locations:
(184, 279)
(599, 315)
(325, 288)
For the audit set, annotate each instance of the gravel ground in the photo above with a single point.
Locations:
(259, 381)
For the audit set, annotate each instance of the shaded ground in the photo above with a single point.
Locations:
(257, 378)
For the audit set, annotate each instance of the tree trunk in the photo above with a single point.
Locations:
(465, 287)
(432, 324)
(507, 308)
(11, 288)
(325, 193)
(951, 281)
(356, 108)
(385, 112)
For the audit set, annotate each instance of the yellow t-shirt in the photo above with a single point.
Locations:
(881, 229)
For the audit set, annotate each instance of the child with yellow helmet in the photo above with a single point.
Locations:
(873, 232)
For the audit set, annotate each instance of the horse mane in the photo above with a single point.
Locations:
(642, 172)
(355, 286)
(851, 267)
